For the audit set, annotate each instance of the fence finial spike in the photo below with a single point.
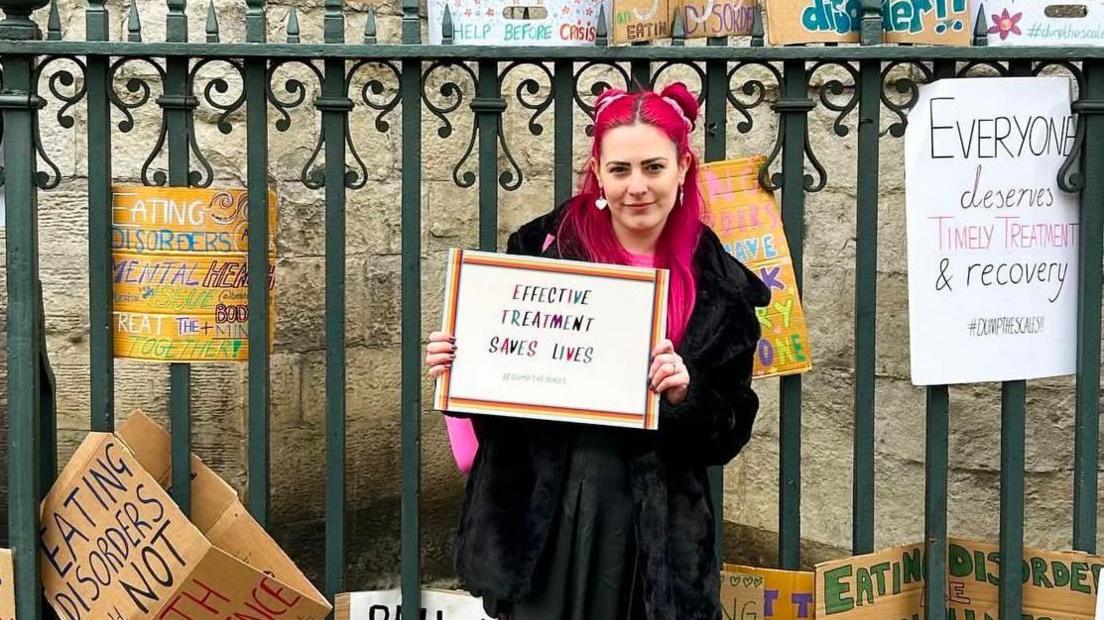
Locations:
(293, 26)
(212, 23)
(678, 29)
(446, 27)
(53, 24)
(370, 27)
(134, 23)
(601, 38)
(757, 31)
(981, 33)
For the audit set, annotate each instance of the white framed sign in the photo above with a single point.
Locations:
(552, 339)
(992, 239)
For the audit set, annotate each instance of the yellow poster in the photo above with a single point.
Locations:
(786, 594)
(746, 219)
(7, 586)
(180, 277)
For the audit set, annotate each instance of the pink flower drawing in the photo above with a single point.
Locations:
(1005, 24)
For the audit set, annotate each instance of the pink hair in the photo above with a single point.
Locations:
(589, 231)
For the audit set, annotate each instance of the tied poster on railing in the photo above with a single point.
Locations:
(992, 238)
(180, 275)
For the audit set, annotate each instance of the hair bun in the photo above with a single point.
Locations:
(685, 100)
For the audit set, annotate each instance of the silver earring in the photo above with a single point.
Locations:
(680, 194)
(601, 201)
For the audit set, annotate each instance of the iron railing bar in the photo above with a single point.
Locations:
(1013, 406)
(101, 301)
(563, 93)
(462, 53)
(487, 118)
(1086, 455)
(937, 432)
(866, 304)
(793, 124)
(716, 142)
(177, 118)
(335, 105)
(410, 87)
(257, 262)
(1013, 422)
(24, 378)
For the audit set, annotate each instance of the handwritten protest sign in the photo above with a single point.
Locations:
(890, 583)
(1044, 22)
(741, 596)
(716, 18)
(518, 22)
(746, 219)
(7, 586)
(114, 545)
(641, 20)
(992, 240)
(552, 339)
(939, 22)
(180, 275)
(787, 594)
(387, 605)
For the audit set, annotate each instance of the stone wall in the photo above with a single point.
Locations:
(219, 392)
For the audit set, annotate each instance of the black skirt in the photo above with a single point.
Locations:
(588, 569)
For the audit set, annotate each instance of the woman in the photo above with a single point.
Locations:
(570, 521)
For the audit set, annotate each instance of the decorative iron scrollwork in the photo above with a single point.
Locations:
(311, 176)
(56, 83)
(369, 95)
(454, 97)
(597, 87)
(834, 88)
(905, 86)
(217, 86)
(754, 88)
(1070, 178)
(142, 91)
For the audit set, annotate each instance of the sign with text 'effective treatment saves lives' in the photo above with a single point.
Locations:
(552, 339)
(992, 239)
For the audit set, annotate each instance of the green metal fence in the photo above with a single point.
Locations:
(25, 52)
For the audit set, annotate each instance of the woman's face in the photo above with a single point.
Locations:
(640, 172)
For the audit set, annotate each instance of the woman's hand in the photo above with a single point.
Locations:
(668, 375)
(440, 352)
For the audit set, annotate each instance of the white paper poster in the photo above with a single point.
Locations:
(436, 605)
(992, 240)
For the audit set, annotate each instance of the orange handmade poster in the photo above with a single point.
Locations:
(180, 275)
(747, 220)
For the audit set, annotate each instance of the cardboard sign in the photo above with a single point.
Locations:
(517, 22)
(747, 220)
(787, 594)
(887, 584)
(114, 545)
(937, 22)
(180, 275)
(1043, 22)
(387, 605)
(992, 240)
(741, 596)
(890, 583)
(716, 18)
(640, 20)
(7, 586)
(552, 339)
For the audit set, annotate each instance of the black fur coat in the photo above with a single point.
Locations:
(515, 486)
